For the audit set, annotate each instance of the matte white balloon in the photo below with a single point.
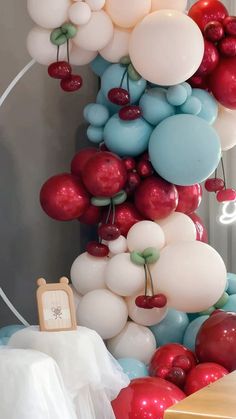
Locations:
(104, 312)
(40, 47)
(177, 54)
(79, 13)
(118, 246)
(96, 34)
(225, 125)
(143, 316)
(88, 273)
(127, 13)
(49, 13)
(134, 341)
(169, 4)
(145, 234)
(122, 276)
(178, 227)
(192, 275)
(118, 46)
(77, 297)
(96, 5)
(79, 56)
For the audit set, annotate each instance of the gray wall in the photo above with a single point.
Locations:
(39, 128)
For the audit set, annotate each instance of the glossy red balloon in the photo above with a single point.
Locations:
(156, 198)
(146, 398)
(227, 46)
(210, 59)
(190, 198)
(104, 174)
(198, 82)
(222, 82)
(214, 31)
(202, 234)
(59, 70)
(80, 159)
(72, 83)
(126, 215)
(203, 375)
(63, 197)
(216, 340)
(230, 25)
(205, 11)
(91, 216)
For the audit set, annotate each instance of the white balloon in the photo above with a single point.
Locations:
(118, 246)
(79, 56)
(123, 277)
(48, 13)
(143, 316)
(192, 275)
(79, 13)
(134, 341)
(225, 125)
(96, 34)
(118, 47)
(104, 312)
(88, 273)
(169, 4)
(77, 297)
(177, 54)
(96, 5)
(40, 47)
(145, 234)
(178, 227)
(127, 13)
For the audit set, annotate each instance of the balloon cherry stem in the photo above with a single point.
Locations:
(123, 77)
(113, 212)
(128, 87)
(146, 279)
(58, 51)
(67, 51)
(150, 278)
(108, 213)
(223, 170)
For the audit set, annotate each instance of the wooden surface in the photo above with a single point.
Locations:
(215, 401)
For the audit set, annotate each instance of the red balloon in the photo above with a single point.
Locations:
(216, 340)
(198, 82)
(202, 234)
(80, 160)
(156, 198)
(190, 198)
(210, 59)
(91, 216)
(104, 174)
(227, 46)
(63, 197)
(146, 398)
(222, 82)
(205, 11)
(203, 375)
(126, 215)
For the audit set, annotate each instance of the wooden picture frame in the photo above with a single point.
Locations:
(56, 307)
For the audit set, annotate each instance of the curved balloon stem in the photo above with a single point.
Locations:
(13, 309)
(19, 76)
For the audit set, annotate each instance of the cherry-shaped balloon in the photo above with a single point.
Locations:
(144, 168)
(72, 83)
(143, 301)
(119, 96)
(158, 301)
(176, 376)
(214, 184)
(230, 25)
(227, 46)
(214, 31)
(226, 195)
(59, 70)
(133, 181)
(130, 113)
(109, 232)
(98, 250)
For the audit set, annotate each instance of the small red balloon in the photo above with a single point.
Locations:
(108, 232)
(202, 235)
(198, 82)
(226, 195)
(214, 31)
(133, 181)
(230, 25)
(203, 375)
(214, 184)
(190, 198)
(119, 96)
(146, 398)
(176, 376)
(72, 83)
(80, 159)
(158, 301)
(59, 70)
(156, 198)
(63, 197)
(210, 59)
(205, 11)
(130, 113)
(227, 46)
(98, 250)
(126, 215)
(91, 216)
(222, 82)
(144, 168)
(104, 174)
(183, 362)
(129, 163)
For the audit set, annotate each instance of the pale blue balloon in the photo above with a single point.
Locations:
(7, 331)
(171, 329)
(4, 341)
(177, 95)
(231, 304)
(184, 149)
(209, 110)
(192, 331)
(127, 138)
(112, 78)
(109, 105)
(155, 107)
(133, 368)
(188, 88)
(99, 65)
(231, 283)
(95, 134)
(97, 115)
(192, 106)
(86, 110)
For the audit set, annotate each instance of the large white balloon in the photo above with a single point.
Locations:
(134, 341)
(104, 312)
(41, 48)
(167, 47)
(145, 234)
(225, 125)
(122, 276)
(49, 13)
(178, 227)
(96, 34)
(118, 46)
(127, 13)
(79, 56)
(79, 13)
(88, 273)
(143, 316)
(169, 4)
(77, 297)
(192, 275)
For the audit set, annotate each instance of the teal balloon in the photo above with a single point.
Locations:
(127, 138)
(133, 368)
(86, 110)
(109, 105)
(231, 303)
(192, 106)
(97, 115)
(95, 134)
(192, 331)
(155, 107)
(99, 65)
(7, 331)
(209, 110)
(231, 283)
(177, 95)
(184, 149)
(171, 329)
(112, 78)
(192, 316)
(4, 341)
(188, 88)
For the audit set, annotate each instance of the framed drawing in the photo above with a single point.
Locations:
(55, 306)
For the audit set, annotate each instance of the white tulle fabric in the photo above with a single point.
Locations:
(91, 375)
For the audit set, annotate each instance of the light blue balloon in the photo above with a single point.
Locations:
(96, 114)
(112, 78)
(209, 110)
(109, 105)
(127, 138)
(188, 88)
(133, 368)
(4, 341)
(192, 106)
(192, 331)
(99, 65)
(171, 329)
(7, 331)
(95, 134)
(231, 283)
(86, 110)
(155, 107)
(231, 304)
(184, 149)
(177, 95)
